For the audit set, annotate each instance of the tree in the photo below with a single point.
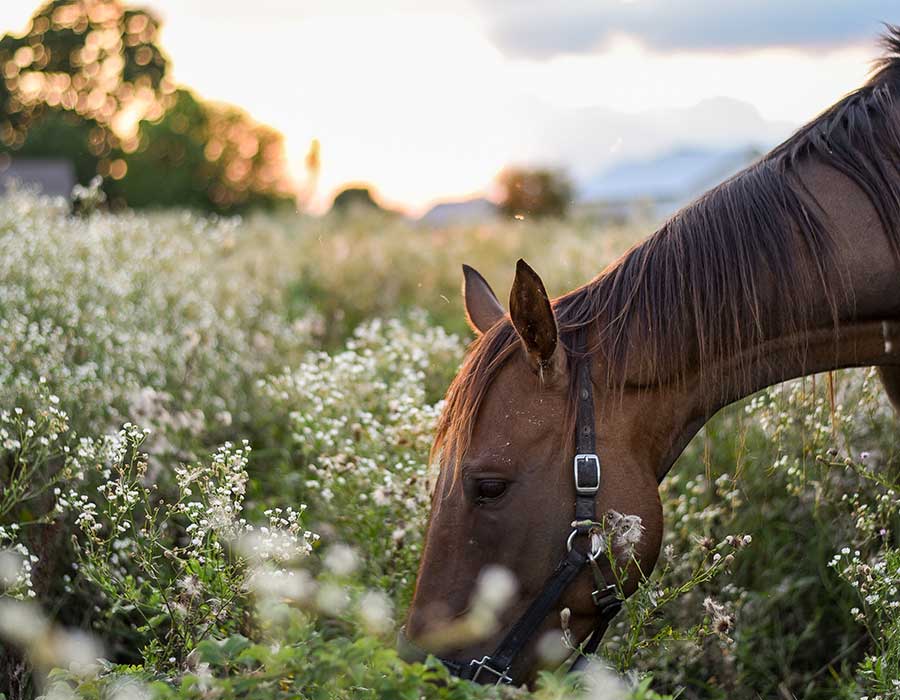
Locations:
(354, 197)
(534, 192)
(204, 155)
(92, 58)
(88, 81)
(61, 133)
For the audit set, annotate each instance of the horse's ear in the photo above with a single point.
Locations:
(533, 319)
(483, 309)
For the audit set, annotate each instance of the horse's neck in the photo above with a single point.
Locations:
(864, 290)
(865, 299)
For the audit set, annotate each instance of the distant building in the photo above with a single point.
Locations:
(55, 177)
(466, 212)
(656, 188)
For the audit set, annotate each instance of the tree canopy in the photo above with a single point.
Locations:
(89, 82)
(534, 192)
(354, 197)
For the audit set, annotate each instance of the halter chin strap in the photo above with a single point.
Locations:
(495, 667)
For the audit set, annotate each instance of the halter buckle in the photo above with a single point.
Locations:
(484, 665)
(587, 474)
(601, 597)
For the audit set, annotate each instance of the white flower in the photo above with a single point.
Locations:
(332, 599)
(375, 610)
(495, 587)
(341, 560)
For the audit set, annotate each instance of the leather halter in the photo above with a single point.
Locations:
(495, 667)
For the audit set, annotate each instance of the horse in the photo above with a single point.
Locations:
(789, 268)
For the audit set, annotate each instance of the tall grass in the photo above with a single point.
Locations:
(137, 527)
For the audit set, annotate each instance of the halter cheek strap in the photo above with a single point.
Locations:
(495, 667)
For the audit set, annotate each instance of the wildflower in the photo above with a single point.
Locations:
(375, 610)
(603, 684)
(341, 560)
(626, 531)
(706, 543)
(721, 620)
(332, 599)
(495, 587)
(564, 616)
(553, 648)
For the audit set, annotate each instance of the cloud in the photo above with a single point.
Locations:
(545, 28)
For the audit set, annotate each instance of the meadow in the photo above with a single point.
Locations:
(213, 473)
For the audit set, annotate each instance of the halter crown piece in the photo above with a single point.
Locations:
(495, 667)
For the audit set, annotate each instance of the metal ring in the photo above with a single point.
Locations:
(591, 555)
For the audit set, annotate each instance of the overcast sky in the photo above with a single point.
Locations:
(429, 99)
(544, 28)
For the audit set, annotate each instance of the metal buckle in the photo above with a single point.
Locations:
(602, 597)
(484, 665)
(583, 460)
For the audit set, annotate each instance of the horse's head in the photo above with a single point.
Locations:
(505, 497)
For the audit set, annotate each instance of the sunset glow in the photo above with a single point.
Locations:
(424, 105)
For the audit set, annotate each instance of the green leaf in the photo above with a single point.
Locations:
(234, 645)
(157, 620)
(211, 652)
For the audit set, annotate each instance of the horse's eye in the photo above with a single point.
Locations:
(489, 489)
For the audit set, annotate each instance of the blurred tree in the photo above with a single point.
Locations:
(60, 133)
(534, 192)
(89, 82)
(92, 58)
(202, 155)
(352, 198)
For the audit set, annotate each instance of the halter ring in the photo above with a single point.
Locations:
(592, 555)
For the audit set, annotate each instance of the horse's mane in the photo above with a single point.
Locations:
(693, 293)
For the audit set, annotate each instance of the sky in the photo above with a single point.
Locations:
(429, 99)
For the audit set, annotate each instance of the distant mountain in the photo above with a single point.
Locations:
(664, 183)
(658, 158)
(676, 175)
(586, 141)
(468, 211)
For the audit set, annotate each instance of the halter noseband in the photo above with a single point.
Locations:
(495, 667)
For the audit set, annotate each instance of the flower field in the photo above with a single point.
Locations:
(214, 483)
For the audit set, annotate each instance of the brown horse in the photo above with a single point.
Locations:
(789, 268)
